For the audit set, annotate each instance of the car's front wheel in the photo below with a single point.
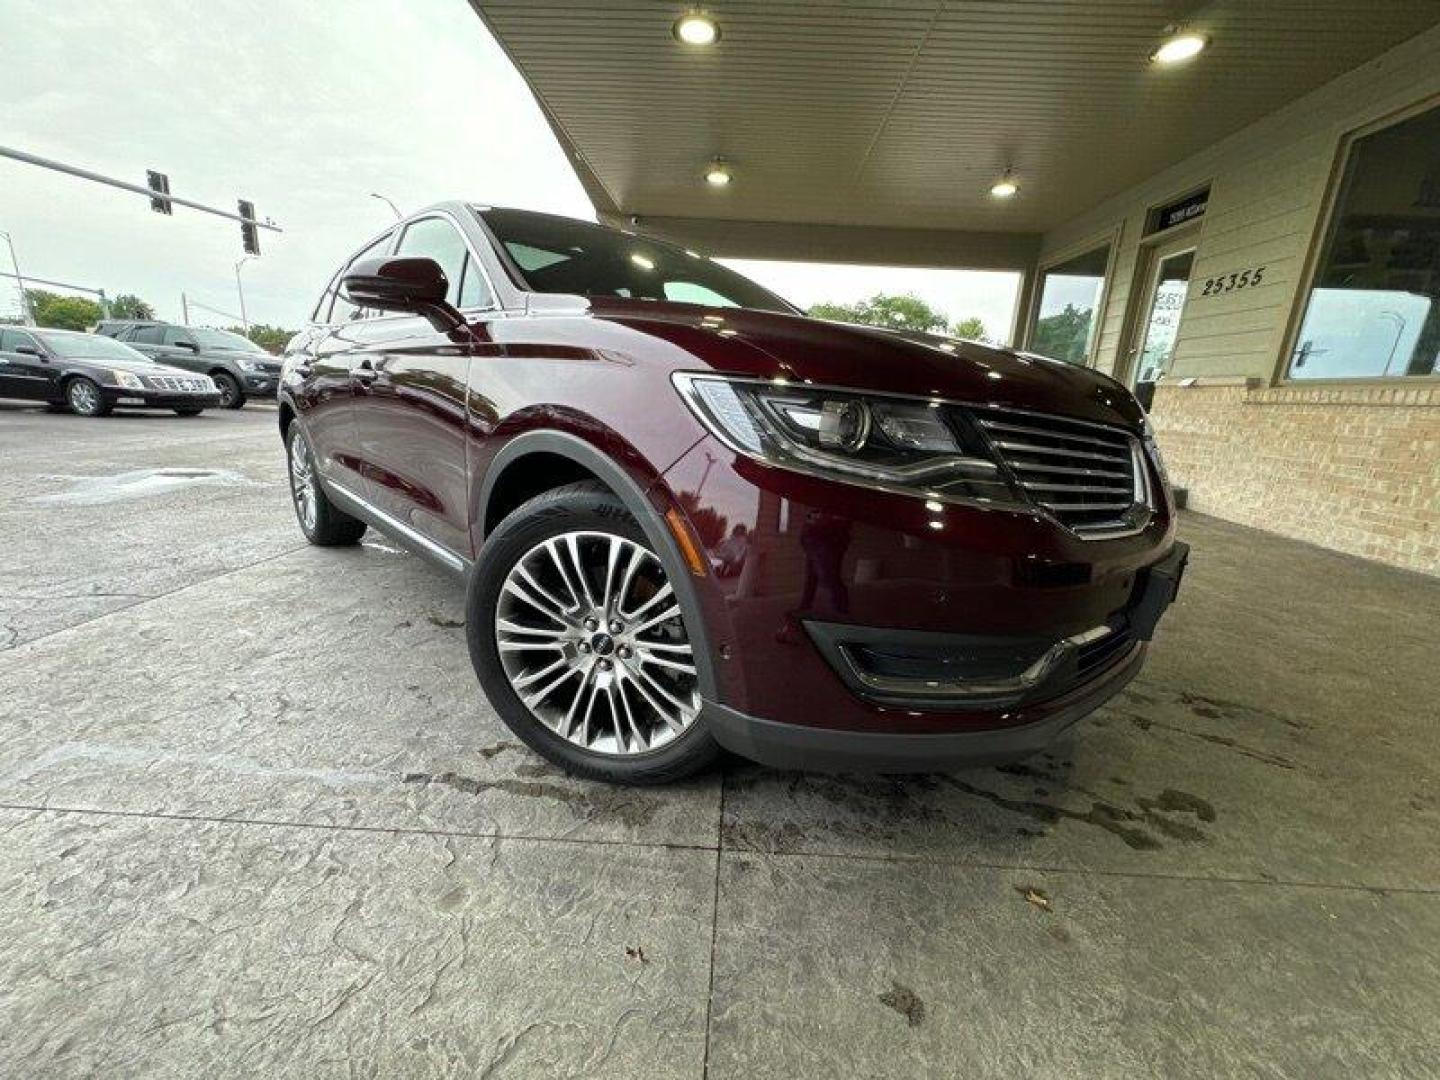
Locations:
(84, 397)
(322, 522)
(582, 645)
(231, 394)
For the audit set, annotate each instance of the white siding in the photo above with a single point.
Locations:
(1268, 184)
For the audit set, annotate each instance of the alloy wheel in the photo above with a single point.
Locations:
(302, 482)
(227, 389)
(84, 397)
(593, 642)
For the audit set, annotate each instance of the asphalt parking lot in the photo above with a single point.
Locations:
(258, 820)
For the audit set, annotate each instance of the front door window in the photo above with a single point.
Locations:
(1167, 300)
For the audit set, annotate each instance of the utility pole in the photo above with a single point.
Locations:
(244, 321)
(26, 314)
(184, 310)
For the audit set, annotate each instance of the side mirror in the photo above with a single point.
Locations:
(189, 346)
(412, 284)
(30, 350)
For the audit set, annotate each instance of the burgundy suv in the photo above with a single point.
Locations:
(689, 517)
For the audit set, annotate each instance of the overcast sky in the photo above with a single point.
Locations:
(304, 109)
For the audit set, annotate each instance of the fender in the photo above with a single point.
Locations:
(641, 508)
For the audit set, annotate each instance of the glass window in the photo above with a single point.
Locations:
(1372, 310)
(179, 335)
(342, 311)
(72, 343)
(437, 239)
(10, 340)
(561, 255)
(147, 335)
(692, 293)
(1067, 316)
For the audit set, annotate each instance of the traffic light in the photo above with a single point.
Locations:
(249, 234)
(160, 184)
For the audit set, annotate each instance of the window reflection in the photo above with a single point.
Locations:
(1372, 310)
(1066, 317)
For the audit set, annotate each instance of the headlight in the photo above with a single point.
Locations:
(907, 445)
(127, 380)
(250, 365)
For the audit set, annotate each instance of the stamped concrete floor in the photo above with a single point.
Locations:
(257, 820)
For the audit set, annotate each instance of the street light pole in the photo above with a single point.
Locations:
(393, 208)
(241, 290)
(25, 313)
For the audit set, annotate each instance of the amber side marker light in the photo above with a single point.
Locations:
(688, 547)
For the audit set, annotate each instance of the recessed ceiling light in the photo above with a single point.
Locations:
(696, 28)
(718, 173)
(1005, 186)
(1180, 47)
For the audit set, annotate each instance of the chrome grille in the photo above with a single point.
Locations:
(190, 383)
(1089, 476)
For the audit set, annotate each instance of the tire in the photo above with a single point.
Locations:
(600, 711)
(84, 397)
(323, 523)
(232, 394)
(189, 410)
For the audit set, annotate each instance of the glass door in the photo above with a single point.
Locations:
(1152, 346)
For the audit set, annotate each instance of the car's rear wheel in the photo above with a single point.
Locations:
(84, 397)
(231, 394)
(322, 522)
(582, 645)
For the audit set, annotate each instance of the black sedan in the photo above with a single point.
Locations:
(91, 375)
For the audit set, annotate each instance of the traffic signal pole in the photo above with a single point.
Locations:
(138, 189)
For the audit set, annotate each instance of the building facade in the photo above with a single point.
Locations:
(1277, 296)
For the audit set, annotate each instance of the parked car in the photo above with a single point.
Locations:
(240, 368)
(946, 553)
(92, 375)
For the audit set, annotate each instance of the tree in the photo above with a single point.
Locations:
(1064, 335)
(130, 306)
(272, 339)
(971, 329)
(907, 312)
(63, 312)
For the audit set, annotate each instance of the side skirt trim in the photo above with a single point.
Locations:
(393, 527)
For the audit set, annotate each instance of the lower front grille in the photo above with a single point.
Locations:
(1091, 477)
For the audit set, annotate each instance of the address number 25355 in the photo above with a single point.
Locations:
(1241, 279)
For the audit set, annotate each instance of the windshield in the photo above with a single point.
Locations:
(222, 339)
(561, 255)
(98, 346)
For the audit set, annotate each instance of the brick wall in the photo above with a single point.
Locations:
(1356, 469)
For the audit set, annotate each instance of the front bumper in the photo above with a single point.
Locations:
(814, 749)
(125, 398)
(262, 384)
(799, 567)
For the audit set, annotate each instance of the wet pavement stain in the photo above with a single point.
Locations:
(139, 484)
(905, 1002)
(603, 804)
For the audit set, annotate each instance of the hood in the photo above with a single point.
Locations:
(800, 348)
(135, 367)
